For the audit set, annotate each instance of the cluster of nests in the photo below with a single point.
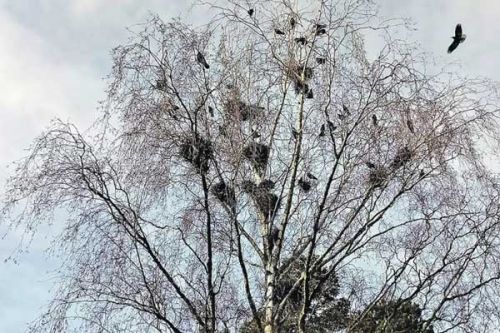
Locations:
(266, 202)
(379, 174)
(199, 151)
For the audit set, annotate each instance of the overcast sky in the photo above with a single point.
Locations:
(55, 53)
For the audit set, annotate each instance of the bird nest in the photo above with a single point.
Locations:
(258, 155)
(377, 176)
(266, 202)
(242, 110)
(402, 157)
(224, 194)
(198, 152)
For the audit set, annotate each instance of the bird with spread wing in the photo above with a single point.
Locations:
(457, 39)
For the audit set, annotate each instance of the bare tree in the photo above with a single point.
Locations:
(264, 146)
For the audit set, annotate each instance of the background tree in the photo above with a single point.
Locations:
(391, 316)
(328, 312)
(262, 148)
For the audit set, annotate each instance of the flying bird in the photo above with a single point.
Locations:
(278, 32)
(201, 59)
(457, 39)
(250, 12)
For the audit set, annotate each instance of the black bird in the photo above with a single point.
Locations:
(457, 39)
(322, 131)
(308, 71)
(320, 32)
(255, 134)
(273, 237)
(311, 176)
(370, 165)
(331, 126)
(346, 110)
(304, 185)
(211, 111)
(278, 32)
(320, 29)
(321, 61)
(201, 59)
(374, 120)
(250, 12)
(310, 94)
(292, 22)
(409, 123)
(301, 87)
(301, 40)
(422, 173)
(295, 133)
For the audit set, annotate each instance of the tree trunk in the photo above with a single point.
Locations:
(269, 312)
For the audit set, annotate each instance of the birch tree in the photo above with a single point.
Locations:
(241, 166)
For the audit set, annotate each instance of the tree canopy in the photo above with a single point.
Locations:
(266, 172)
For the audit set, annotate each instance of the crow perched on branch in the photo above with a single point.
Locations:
(331, 126)
(370, 165)
(250, 12)
(311, 176)
(321, 61)
(301, 40)
(409, 123)
(201, 59)
(322, 131)
(278, 32)
(292, 22)
(457, 39)
(304, 185)
(320, 29)
(310, 94)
